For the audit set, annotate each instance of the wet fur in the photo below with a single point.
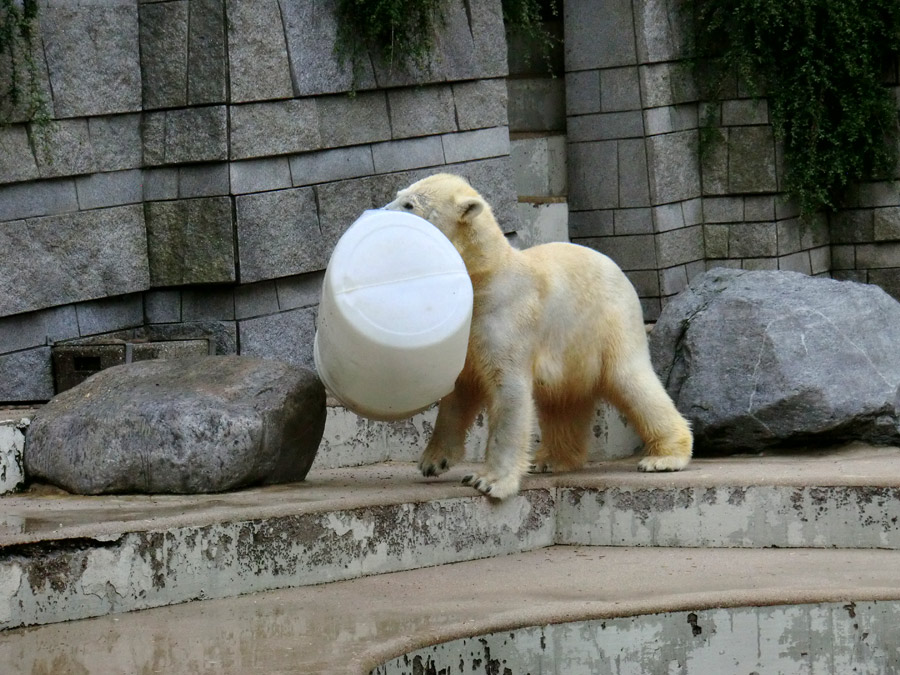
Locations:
(554, 328)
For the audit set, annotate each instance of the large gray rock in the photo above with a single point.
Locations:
(180, 426)
(768, 359)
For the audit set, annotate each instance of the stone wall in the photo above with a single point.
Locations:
(641, 190)
(203, 158)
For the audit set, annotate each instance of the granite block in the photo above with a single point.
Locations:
(277, 128)
(412, 153)
(287, 336)
(466, 146)
(345, 120)
(257, 51)
(164, 54)
(421, 111)
(207, 65)
(332, 165)
(203, 180)
(259, 175)
(480, 104)
(36, 329)
(17, 162)
(39, 198)
(110, 314)
(26, 376)
(116, 141)
(99, 190)
(162, 306)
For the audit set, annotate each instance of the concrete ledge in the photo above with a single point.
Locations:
(353, 627)
(64, 557)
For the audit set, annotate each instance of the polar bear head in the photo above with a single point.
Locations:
(446, 201)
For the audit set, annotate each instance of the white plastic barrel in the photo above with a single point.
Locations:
(394, 318)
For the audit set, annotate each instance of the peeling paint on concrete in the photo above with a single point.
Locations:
(79, 579)
(818, 638)
(839, 517)
(12, 443)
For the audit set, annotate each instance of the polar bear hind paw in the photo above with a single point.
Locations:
(434, 467)
(663, 463)
(490, 485)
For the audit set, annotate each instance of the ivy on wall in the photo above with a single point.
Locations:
(823, 65)
(18, 26)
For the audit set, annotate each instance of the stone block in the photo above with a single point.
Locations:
(758, 264)
(99, 190)
(752, 240)
(659, 30)
(110, 314)
(203, 180)
(796, 262)
(668, 217)
(480, 104)
(258, 175)
(815, 232)
(539, 165)
(207, 57)
(620, 89)
(714, 161)
(208, 304)
(411, 153)
(255, 300)
(345, 120)
(652, 308)
(36, 329)
(591, 224)
(190, 241)
(342, 202)
(723, 209)
(466, 146)
(203, 424)
(593, 175)
(160, 184)
(223, 334)
(583, 92)
(887, 279)
(820, 259)
(665, 84)
(17, 161)
(489, 39)
(421, 111)
(673, 280)
(693, 211)
(26, 376)
(716, 241)
(542, 223)
(605, 126)
(331, 165)
(303, 290)
(886, 223)
(92, 53)
(277, 128)
(185, 135)
(760, 207)
(885, 193)
(751, 160)
(859, 276)
(634, 187)
(162, 306)
(632, 221)
(39, 198)
(56, 260)
(164, 53)
(670, 118)
(673, 167)
(278, 234)
(636, 252)
(287, 336)
(677, 247)
(310, 29)
(537, 104)
(116, 142)
(645, 282)
(64, 149)
(852, 226)
(843, 257)
(869, 256)
(609, 23)
(493, 178)
(17, 69)
(745, 112)
(257, 51)
(788, 236)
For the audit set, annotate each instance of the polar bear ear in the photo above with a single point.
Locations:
(469, 208)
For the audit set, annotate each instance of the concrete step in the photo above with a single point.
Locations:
(562, 609)
(64, 557)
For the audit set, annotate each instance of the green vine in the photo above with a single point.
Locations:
(822, 65)
(18, 24)
(528, 17)
(401, 33)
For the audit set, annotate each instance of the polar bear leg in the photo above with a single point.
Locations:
(638, 393)
(447, 445)
(510, 423)
(565, 431)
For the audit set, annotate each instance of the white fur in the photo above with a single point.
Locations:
(554, 328)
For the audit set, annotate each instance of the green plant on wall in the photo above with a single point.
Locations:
(822, 65)
(19, 80)
(402, 33)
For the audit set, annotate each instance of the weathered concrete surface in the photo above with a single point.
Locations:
(826, 639)
(352, 627)
(13, 424)
(201, 424)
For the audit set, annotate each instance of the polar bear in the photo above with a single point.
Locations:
(554, 328)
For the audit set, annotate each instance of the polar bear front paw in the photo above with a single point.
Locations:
(663, 463)
(540, 467)
(433, 467)
(490, 485)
